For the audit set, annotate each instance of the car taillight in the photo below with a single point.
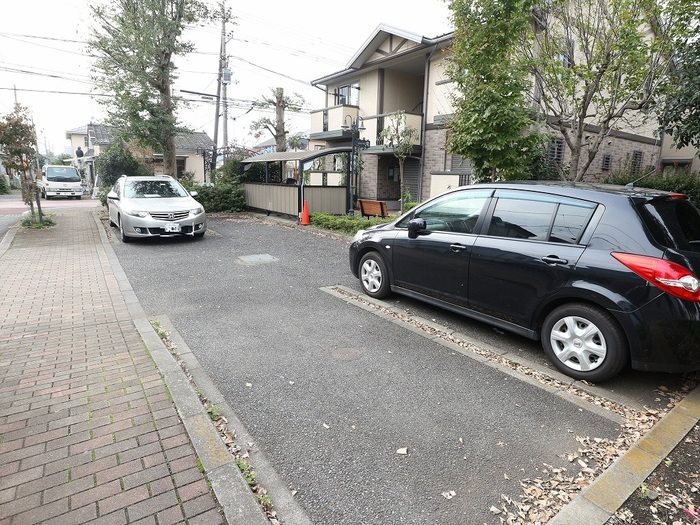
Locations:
(666, 275)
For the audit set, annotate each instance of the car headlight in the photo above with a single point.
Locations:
(359, 235)
(196, 211)
(136, 213)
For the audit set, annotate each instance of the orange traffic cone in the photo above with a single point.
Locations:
(305, 219)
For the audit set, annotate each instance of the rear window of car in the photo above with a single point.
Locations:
(674, 223)
(540, 217)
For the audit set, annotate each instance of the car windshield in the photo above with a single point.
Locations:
(62, 174)
(153, 189)
(674, 223)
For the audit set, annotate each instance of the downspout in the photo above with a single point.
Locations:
(426, 93)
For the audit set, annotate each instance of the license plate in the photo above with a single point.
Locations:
(172, 227)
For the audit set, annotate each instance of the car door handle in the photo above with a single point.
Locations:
(553, 259)
(457, 247)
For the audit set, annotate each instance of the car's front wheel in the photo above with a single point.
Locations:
(374, 277)
(123, 236)
(584, 342)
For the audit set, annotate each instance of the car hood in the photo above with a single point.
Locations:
(162, 204)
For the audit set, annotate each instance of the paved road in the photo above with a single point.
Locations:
(12, 208)
(330, 391)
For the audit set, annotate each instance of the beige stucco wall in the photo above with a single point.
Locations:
(439, 98)
(195, 164)
(402, 92)
(670, 153)
(75, 141)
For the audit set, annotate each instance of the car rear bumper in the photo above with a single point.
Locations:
(664, 335)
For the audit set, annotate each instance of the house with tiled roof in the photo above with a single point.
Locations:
(191, 150)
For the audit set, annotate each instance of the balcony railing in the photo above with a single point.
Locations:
(330, 120)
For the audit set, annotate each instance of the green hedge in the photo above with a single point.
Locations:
(345, 223)
(222, 197)
(4, 187)
(682, 182)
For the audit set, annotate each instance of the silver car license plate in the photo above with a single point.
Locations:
(172, 227)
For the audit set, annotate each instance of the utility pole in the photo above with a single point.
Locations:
(222, 61)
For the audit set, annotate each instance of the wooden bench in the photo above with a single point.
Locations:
(370, 208)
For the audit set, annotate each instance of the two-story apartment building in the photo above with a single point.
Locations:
(397, 70)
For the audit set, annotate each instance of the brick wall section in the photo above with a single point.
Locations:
(621, 149)
(368, 176)
(433, 157)
(87, 428)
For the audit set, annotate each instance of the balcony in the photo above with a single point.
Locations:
(326, 124)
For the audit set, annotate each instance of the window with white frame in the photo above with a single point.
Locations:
(349, 95)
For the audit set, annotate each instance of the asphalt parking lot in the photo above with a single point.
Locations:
(330, 392)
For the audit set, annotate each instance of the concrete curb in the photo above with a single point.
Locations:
(288, 509)
(601, 500)
(227, 483)
(7, 239)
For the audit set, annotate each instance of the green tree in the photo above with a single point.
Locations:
(134, 44)
(492, 125)
(680, 111)
(118, 161)
(398, 136)
(280, 103)
(17, 141)
(599, 65)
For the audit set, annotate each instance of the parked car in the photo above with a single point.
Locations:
(60, 181)
(154, 206)
(602, 275)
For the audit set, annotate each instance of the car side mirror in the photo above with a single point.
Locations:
(415, 227)
(112, 195)
(193, 194)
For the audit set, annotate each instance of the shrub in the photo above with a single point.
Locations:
(118, 161)
(4, 187)
(345, 223)
(680, 182)
(187, 180)
(222, 197)
(32, 221)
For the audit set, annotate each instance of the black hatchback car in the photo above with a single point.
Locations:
(602, 275)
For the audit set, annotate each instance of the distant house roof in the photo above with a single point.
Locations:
(81, 130)
(193, 141)
(101, 134)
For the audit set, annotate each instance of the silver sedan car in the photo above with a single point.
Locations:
(156, 206)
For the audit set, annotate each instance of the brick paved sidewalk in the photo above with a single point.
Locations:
(88, 430)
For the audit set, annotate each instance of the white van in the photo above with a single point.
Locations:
(60, 181)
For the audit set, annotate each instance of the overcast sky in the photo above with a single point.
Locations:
(274, 43)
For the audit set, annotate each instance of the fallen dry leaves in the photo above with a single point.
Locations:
(543, 497)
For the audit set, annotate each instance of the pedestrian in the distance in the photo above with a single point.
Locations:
(79, 152)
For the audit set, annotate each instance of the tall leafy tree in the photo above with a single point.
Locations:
(17, 143)
(599, 65)
(401, 138)
(280, 103)
(134, 44)
(492, 125)
(680, 110)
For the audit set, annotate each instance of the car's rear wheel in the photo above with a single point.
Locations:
(374, 277)
(124, 238)
(584, 342)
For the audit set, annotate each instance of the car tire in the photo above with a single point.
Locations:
(122, 236)
(374, 277)
(584, 342)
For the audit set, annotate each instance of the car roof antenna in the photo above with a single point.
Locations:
(630, 185)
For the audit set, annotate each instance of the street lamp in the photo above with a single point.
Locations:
(355, 126)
